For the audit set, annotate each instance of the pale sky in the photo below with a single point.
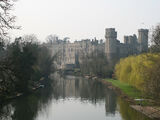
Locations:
(79, 19)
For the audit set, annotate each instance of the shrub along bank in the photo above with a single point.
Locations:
(141, 72)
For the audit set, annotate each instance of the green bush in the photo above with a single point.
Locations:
(142, 71)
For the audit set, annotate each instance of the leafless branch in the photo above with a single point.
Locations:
(6, 19)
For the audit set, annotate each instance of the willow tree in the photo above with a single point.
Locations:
(142, 72)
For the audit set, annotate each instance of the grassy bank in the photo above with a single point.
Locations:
(147, 106)
(127, 89)
(133, 93)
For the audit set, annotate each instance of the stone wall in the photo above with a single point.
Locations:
(72, 53)
(115, 50)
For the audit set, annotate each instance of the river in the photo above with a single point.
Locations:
(70, 98)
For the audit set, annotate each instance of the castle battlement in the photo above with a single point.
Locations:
(143, 30)
(132, 44)
(73, 53)
(131, 39)
(111, 33)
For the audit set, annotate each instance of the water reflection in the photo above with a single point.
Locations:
(70, 98)
(26, 107)
(110, 102)
(128, 113)
(76, 87)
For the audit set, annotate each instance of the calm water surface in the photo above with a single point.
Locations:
(70, 98)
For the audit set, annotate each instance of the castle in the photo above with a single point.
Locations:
(132, 45)
(73, 53)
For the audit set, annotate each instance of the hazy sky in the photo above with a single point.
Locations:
(79, 19)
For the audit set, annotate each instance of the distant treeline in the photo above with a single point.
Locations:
(22, 64)
(96, 64)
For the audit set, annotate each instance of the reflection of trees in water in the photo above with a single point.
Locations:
(77, 84)
(6, 112)
(128, 113)
(21, 109)
(78, 87)
(110, 102)
(93, 90)
(26, 107)
(90, 90)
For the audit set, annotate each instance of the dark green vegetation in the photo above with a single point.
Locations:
(22, 65)
(24, 62)
(96, 64)
(26, 107)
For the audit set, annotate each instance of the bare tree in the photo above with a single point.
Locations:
(31, 38)
(6, 19)
(51, 39)
(156, 39)
(156, 35)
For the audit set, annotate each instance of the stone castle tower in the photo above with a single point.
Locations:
(143, 40)
(132, 45)
(111, 43)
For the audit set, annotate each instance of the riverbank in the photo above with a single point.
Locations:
(134, 97)
(130, 91)
(8, 97)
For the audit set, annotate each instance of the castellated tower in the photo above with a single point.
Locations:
(111, 43)
(132, 46)
(143, 40)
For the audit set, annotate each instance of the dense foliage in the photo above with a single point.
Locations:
(96, 64)
(22, 65)
(142, 71)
